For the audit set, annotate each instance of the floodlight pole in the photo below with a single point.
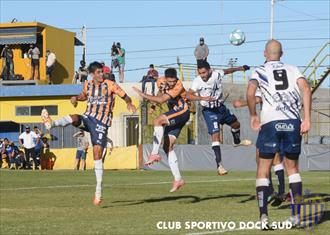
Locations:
(272, 2)
(83, 32)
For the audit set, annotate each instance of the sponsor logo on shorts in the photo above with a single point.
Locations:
(284, 127)
(100, 128)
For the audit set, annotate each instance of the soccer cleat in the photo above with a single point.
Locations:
(222, 170)
(152, 159)
(46, 119)
(271, 197)
(243, 143)
(265, 223)
(97, 201)
(176, 185)
(294, 221)
(278, 200)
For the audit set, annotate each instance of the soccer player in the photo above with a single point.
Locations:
(100, 96)
(172, 92)
(280, 196)
(280, 125)
(208, 83)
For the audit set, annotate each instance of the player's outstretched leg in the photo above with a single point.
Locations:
(64, 121)
(159, 122)
(217, 152)
(173, 163)
(236, 132)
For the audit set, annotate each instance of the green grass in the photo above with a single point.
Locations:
(60, 202)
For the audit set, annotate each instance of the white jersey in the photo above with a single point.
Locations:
(211, 88)
(279, 91)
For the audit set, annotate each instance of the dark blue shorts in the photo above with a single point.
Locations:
(215, 116)
(81, 154)
(96, 128)
(177, 119)
(280, 137)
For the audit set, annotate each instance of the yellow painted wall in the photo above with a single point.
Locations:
(61, 42)
(8, 107)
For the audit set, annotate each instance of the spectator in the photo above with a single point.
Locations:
(106, 71)
(26, 139)
(50, 65)
(8, 69)
(15, 159)
(118, 60)
(4, 156)
(201, 51)
(34, 55)
(82, 73)
(44, 153)
(151, 76)
(38, 144)
(82, 147)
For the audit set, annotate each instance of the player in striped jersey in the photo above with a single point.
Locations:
(172, 92)
(100, 96)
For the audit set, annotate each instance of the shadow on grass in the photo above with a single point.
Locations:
(185, 198)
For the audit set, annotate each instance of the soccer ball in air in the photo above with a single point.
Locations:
(237, 37)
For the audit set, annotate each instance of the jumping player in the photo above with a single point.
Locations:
(281, 127)
(100, 96)
(172, 92)
(208, 83)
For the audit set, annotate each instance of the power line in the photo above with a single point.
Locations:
(212, 45)
(216, 53)
(196, 25)
(296, 11)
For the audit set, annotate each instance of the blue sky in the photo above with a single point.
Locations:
(74, 14)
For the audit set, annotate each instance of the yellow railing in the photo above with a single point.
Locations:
(311, 69)
(189, 71)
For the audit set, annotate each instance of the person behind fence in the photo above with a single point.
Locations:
(201, 51)
(82, 148)
(4, 156)
(81, 74)
(151, 76)
(38, 144)
(8, 63)
(34, 55)
(16, 158)
(50, 65)
(118, 60)
(26, 139)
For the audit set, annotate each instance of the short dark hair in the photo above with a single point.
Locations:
(93, 66)
(35, 127)
(171, 73)
(151, 66)
(203, 64)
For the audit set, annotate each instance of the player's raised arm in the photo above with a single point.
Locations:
(307, 97)
(251, 102)
(159, 99)
(115, 88)
(235, 69)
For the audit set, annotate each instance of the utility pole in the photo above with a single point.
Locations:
(83, 36)
(272, 3)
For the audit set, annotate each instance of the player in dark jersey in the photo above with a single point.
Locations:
(100, 95)
(172, 92)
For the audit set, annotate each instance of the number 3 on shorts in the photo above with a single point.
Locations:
(100, 136)
(215, 125)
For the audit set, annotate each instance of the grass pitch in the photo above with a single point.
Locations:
(60, 202)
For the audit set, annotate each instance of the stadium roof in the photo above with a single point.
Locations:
(45, 90)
